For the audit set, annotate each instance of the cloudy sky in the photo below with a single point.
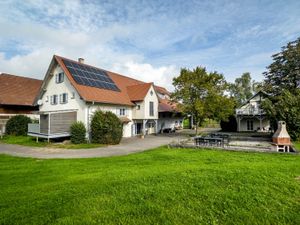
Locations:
(149, 40)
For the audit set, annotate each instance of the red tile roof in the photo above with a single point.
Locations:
(165, 105)
(138, 92)
(131, 90)
(16, 90)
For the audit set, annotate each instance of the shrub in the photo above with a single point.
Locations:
(17, 125)
(106, 128)
(78, 133)
(230, 125)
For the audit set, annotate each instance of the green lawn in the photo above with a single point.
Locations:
(155, 187)
(31, 141)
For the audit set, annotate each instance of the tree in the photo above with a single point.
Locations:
(282, 80)
(243, 88)
(106, 128)
(201, 95)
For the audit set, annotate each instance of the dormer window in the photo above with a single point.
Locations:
(59, 78)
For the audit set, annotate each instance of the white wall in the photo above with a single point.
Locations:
(53, 88)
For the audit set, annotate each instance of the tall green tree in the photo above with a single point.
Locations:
(243, 88)
(282, 82)
(201, 95)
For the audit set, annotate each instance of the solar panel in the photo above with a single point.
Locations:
(90, 76)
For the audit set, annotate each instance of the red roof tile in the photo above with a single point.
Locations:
(138, 92)
(16, 90)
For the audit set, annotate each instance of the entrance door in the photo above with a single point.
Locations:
(250, 125)
(138, 128)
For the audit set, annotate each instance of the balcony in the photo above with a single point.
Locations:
(250, 111)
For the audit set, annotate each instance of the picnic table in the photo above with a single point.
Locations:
(208, 141)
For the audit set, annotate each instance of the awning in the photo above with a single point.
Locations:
(124, 119)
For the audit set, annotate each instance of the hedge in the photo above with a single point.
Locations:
(78, 133)
(17, 125)
(230, 125)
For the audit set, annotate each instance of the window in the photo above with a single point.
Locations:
(73, 95)
(53, 99)
(138, 107)
(63, 98)
(59, 78)
(151, 108)
(122, 112)
(47, 98)
(151, 92)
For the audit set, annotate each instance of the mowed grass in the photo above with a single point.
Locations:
(160, 186)
(31, 141)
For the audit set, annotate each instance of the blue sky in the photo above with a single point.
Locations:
(148, 40)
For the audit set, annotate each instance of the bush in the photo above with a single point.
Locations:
(17, 125)
(106, 128)
(230, 125)
(78, 133)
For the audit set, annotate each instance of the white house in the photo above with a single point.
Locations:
(250, 116)
(73, 91)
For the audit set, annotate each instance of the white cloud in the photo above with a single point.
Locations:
(161, 76)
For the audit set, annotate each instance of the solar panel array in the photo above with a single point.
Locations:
(90, 76)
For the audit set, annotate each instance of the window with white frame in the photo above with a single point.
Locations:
(53, 99)
(63, 98)
(73, 95)
(122, 111)
(59, 78)
(138, 107)
(151, 108)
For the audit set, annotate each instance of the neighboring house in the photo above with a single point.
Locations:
(250, 116)
(170, 116)
(73, 91)
(17, 95)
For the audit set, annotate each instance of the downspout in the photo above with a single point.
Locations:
(88, 122)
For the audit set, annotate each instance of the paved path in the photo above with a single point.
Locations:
(127, 146)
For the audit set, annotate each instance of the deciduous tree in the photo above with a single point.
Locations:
(201, 94)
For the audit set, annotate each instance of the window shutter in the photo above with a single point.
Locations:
(61, 98)
(56, 78)
(51, 100)
(62, 77)
(66, 97)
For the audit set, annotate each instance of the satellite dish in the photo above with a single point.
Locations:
(40, 102)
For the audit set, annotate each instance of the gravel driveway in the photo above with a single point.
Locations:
(127, 146)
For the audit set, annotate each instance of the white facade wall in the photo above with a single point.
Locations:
(54, 88)
(144, 111)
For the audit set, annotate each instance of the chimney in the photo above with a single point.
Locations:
(81, 60)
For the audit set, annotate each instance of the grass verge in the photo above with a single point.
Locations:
(31, 141)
